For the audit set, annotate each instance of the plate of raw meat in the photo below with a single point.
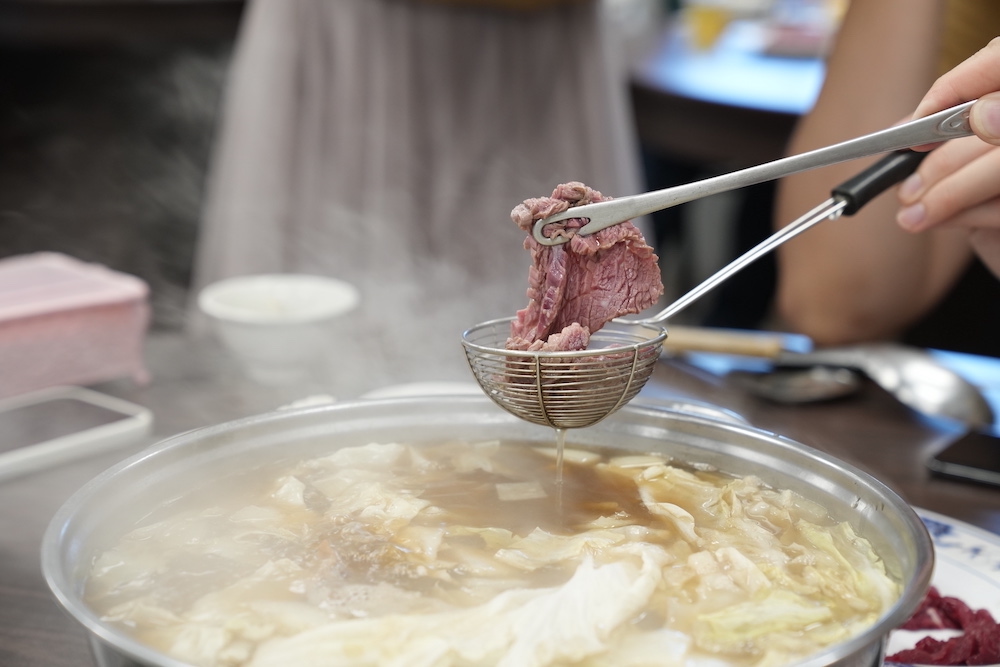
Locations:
(956, 623)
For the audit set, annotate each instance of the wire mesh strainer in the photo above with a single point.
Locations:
(564, 389)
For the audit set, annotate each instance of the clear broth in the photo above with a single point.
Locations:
(427, 530)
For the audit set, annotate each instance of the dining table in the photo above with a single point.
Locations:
(196, 384)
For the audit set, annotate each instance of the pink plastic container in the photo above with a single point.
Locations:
(67, 322)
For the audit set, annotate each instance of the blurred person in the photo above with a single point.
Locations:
(864, 277)
(385, 142)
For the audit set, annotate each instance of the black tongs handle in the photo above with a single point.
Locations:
(876, 179)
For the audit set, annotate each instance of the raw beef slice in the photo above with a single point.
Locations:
(575, 288)
(979, 643)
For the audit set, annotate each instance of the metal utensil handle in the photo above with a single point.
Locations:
(948, 124)
(830, 208)
(876, 179)
(847, 199)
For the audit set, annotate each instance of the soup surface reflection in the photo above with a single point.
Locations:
(459, 553)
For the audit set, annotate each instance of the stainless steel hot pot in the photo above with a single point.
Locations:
(180, 469)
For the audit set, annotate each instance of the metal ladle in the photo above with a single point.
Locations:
(910, 374)
(797, 386)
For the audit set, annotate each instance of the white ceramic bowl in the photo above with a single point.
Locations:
(278, 325)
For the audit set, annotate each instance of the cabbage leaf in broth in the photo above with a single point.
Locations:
(467, 553)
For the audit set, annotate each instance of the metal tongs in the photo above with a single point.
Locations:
(948, 124)
(845, 199)
(579, 388)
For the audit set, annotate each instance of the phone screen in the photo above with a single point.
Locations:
(36, 423)
(974, 456)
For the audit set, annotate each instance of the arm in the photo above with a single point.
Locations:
(863, 278)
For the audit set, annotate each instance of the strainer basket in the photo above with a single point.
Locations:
(564, 389)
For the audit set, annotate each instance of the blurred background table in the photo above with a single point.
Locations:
(733, 103)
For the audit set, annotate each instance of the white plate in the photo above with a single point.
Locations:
(966, 566)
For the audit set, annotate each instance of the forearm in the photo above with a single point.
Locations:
(862, 277)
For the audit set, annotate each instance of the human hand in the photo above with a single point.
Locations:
(977, 77)
(957, 186)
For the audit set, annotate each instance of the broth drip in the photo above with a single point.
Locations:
(560, 455)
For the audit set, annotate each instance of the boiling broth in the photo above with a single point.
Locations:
(459, 553)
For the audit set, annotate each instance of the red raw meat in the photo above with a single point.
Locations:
(577, 287)
(978, 645)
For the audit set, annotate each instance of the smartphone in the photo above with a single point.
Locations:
(974, 456)
(55, 425)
